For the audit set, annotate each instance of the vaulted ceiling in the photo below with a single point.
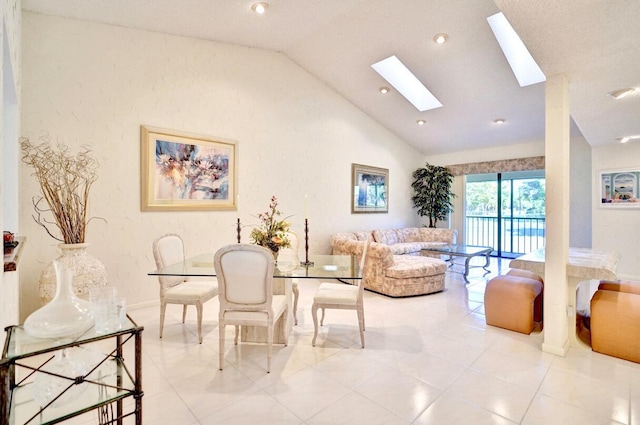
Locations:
(595, 43)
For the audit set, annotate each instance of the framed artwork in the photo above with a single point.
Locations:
(619, 188)
(369, 189)
(186, 172)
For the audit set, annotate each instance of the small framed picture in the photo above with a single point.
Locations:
(619, 188)
(369, 189)
(186, 172)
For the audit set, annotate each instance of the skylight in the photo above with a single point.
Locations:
(522, 64)
(403, 80)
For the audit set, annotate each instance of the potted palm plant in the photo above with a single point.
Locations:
(433, 196)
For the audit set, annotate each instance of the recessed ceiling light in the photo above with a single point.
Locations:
(440, 38)
(384, 89)
(403, 80)
(619, 94)
(522, 64)
(499, 120)
(628, 138)
(260, 7)
(421, 122)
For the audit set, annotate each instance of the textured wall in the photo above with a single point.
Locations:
(617, 229)
(580, 188)
(94, 84)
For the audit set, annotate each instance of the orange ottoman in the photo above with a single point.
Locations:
(514, 301)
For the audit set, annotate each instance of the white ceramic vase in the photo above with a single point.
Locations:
(88, 272)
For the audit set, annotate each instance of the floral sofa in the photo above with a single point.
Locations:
(394, 265)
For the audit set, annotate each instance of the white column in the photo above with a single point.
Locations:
(557, 170)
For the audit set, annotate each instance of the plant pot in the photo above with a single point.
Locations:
(88, 272)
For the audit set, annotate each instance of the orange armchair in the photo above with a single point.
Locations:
(615, 320)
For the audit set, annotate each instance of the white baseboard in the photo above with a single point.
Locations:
(144, 304)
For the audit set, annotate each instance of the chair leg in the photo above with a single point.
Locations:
(296, 294)
(285, 319)
(322, 318)
(221, 327)
(314, 314)
(163, 308)
(235, 339)
(269, 346)
(199, 310)
(184, 312)
(361, 323)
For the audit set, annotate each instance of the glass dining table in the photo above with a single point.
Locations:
(344, 268)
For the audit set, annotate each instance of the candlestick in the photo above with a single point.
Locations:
(238, 229)
(306, 261)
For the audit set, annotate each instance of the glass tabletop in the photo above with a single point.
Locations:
(459, 249)
(19, 344)
(324, 267)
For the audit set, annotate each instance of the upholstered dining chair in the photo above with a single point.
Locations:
(340, 296)
(245, 276)
(169, 249)
(288, 258)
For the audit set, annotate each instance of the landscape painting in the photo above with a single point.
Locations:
(370, 189)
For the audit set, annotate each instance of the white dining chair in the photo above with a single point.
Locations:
(167, 250)
(245, 277)
(340, 296)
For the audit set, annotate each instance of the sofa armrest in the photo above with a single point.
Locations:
(620, 286)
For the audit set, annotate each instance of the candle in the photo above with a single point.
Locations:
(306, 212)
(238, 205)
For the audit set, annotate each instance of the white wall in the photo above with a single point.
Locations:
(617, 229)
(94, 84)
(580, 188)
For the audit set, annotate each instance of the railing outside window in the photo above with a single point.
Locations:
(520, 235)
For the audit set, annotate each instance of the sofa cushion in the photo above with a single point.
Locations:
(407, 266)
(363, 236)
(405, 248)
(408, 234)
(387, 237)
(429, 234)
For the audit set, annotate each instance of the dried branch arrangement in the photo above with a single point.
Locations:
(65, 181)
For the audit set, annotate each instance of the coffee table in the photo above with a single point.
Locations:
(459, 250)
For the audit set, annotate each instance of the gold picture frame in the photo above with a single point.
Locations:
(369, 189)
(183, 171)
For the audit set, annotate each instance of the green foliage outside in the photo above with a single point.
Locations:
(528, 198)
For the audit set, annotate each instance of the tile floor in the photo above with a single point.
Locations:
(428, 360)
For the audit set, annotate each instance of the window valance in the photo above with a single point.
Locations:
(516, 164)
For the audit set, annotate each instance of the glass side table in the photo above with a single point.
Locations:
(29, 365)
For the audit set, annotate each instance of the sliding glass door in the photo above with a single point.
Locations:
(506, 211)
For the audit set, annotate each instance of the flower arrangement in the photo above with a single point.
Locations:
(272, 232)
(65, 181)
